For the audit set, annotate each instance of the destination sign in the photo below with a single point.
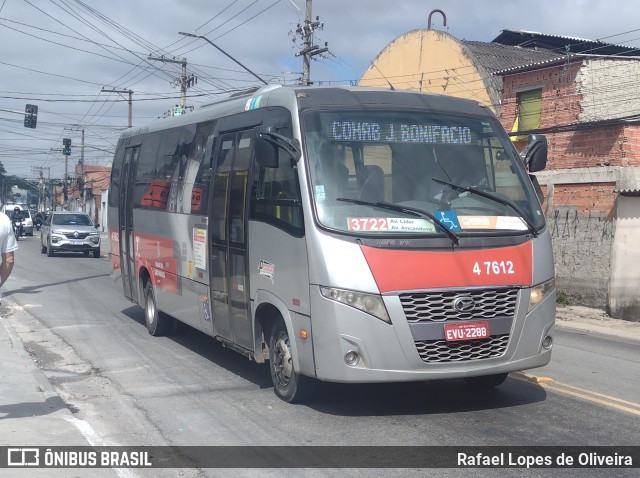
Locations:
(399, 132)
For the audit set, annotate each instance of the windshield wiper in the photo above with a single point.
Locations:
(497, 199)
(407, 210)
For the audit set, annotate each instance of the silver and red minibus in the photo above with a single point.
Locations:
(342, 234)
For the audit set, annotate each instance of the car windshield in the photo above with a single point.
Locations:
(70, 220)
(461, 170)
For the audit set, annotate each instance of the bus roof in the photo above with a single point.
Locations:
(308, 97)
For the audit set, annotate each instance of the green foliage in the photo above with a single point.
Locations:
(561, 299)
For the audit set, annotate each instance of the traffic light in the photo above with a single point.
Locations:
(66, 146)
(30, 116)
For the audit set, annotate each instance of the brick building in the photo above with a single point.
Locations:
(583, 96)
(91, 184)
(588, 106)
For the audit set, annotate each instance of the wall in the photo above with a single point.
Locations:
(624, 299)
(602, 101)
(583, 170)
(579, 219)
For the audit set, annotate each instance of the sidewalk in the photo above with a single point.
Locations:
(33, 414)
(596, 322)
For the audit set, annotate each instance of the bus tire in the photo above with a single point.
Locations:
(288, 384)
(158, 324)
(487, 381)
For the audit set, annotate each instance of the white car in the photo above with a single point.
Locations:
(27, 222)
(64, 231)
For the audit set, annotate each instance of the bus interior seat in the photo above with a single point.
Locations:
(336, 178)
(373, 186)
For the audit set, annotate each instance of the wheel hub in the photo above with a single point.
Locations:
(283, 363)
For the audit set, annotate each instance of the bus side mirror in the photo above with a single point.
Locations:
(266, 151)
(268, 142)
(535, 154)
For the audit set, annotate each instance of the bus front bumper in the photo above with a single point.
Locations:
(352, 346)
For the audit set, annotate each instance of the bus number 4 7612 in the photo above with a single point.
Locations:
(493, 267)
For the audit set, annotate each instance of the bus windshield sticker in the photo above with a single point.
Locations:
(389, 224)
(448, 218)
(200, 247)
(399, 132)
(320, 194)
(267, 269)
(492, 222)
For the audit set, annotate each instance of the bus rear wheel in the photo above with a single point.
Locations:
(288, 385)
(487, 381)
(158, 324)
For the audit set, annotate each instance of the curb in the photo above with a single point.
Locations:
(597, 323)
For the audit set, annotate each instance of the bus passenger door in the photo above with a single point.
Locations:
(228, 223)
(125, 220)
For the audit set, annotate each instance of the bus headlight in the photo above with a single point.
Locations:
(370, 303)
(540, 292)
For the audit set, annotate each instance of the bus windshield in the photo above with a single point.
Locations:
(461, 170)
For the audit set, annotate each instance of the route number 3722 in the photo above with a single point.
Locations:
(493, 268)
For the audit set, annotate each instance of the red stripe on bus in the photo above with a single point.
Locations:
(394, 269)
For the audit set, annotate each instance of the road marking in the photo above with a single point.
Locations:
(94, 439)
(589, 395)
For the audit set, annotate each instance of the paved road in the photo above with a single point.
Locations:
(127, 387)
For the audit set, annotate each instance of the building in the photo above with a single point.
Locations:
(582, 95)
(588, 106)
(437, 62)
(89, 190)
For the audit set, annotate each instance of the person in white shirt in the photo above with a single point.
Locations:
(8, 244)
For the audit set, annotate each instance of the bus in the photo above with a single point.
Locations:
(341, 234)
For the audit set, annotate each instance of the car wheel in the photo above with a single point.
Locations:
(43, 248)
(96, 253)
(158, 323)
(85, 253)
(288, 384)
(49, 250)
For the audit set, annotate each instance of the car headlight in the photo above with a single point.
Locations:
(57, 232)
(370, 303)
(540, 292)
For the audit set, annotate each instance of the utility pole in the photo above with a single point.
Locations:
(81, 179)
(113, 90)
(309, 50)
(184, 81)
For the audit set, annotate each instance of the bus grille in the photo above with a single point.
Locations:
(438, 306)
(441, 351)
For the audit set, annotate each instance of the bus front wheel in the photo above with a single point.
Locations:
(158, 324)
(289, 385)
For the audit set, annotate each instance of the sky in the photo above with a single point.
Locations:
(61, 54)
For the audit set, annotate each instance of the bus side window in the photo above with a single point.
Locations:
(275, 197)
(220, 186)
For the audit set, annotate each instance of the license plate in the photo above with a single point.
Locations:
(76, 243)
(466, 331)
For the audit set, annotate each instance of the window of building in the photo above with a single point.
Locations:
(528, 117)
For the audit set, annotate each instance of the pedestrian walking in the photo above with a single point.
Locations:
(8, 244)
